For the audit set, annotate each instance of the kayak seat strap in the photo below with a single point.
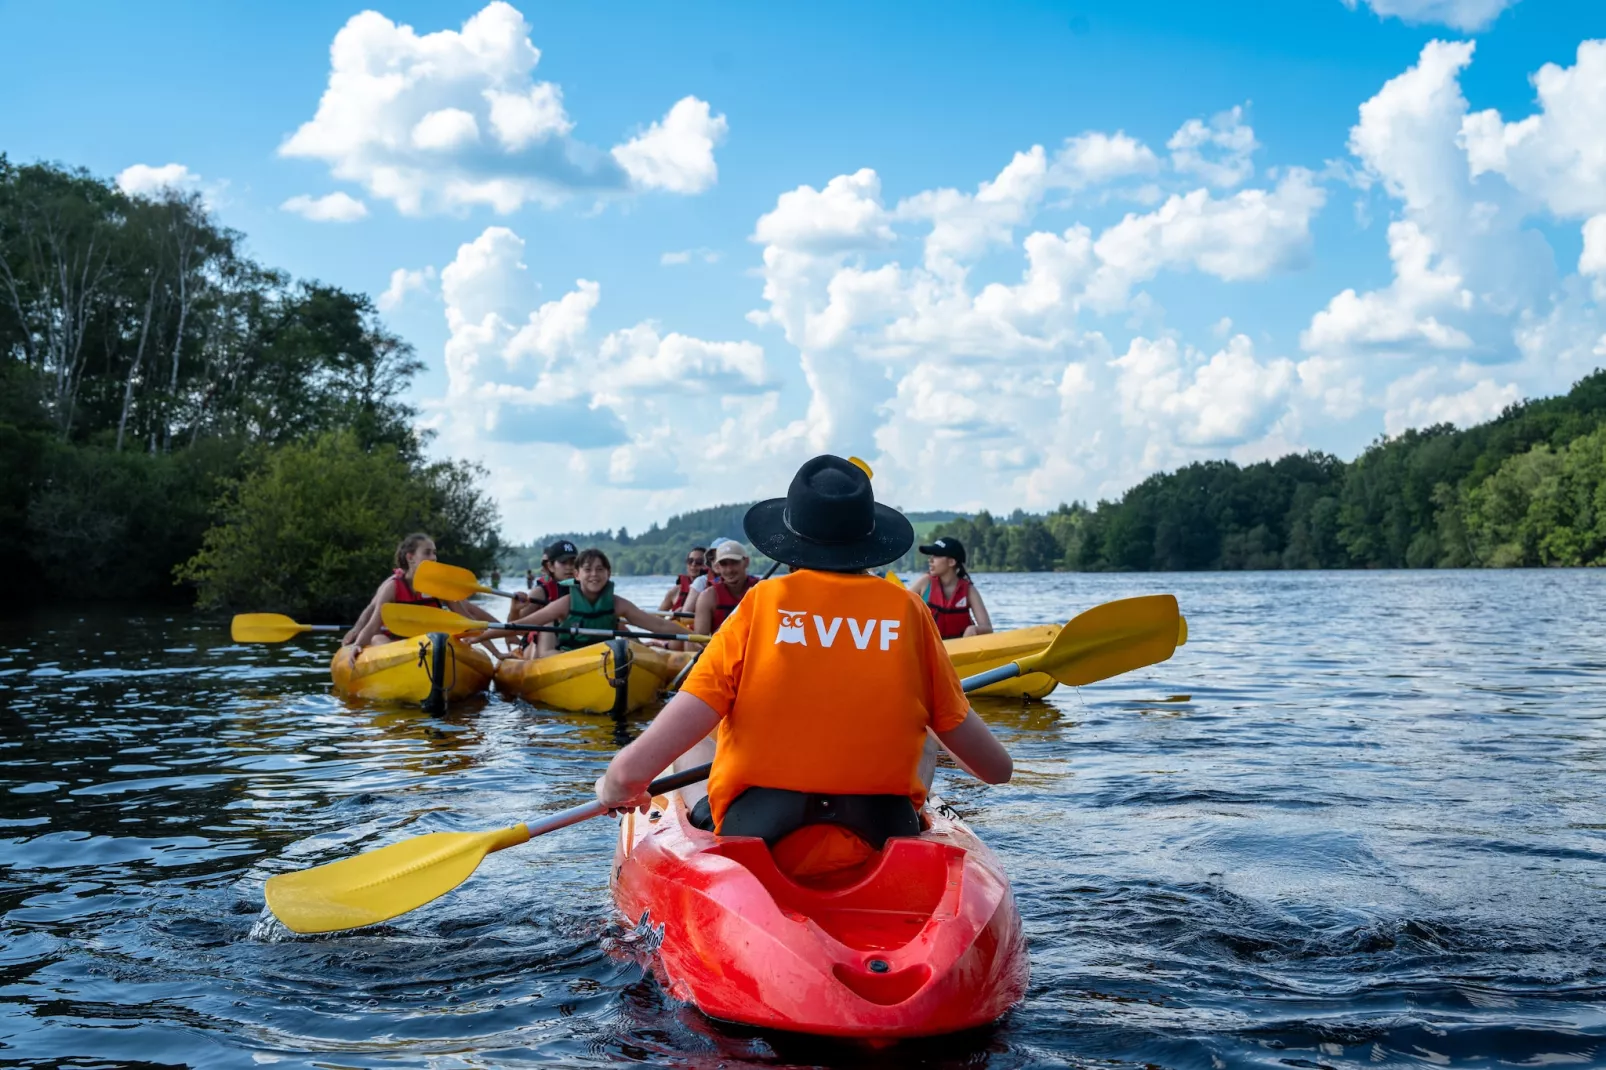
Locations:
(772, 814)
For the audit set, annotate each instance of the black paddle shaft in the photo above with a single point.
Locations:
(680, 780)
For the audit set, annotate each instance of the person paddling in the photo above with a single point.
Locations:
(674, 600)
(726, 590)
(557, 566)
(823, 685)
(398, 587)
(587, 601)
(949, 592)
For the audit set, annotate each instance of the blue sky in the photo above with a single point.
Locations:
(801, 229)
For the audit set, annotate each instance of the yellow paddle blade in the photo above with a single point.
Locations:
(1109, 640)
(892, 577)
(863, 466)
(264, 628)
(1182, 630)
(450, 582)
(382, 884)
(409, 620)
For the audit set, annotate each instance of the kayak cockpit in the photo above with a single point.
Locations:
(880, 905)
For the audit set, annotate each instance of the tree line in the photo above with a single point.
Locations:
(164, 396)
(1525, 489)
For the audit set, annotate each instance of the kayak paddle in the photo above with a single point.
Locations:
(273, 628)
(1105, 641)
(407, 620)
(386, 883)
(450, 582)
(390, 881)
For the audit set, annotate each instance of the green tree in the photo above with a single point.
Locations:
(313, 527)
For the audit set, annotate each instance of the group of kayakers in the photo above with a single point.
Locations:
(574, 589)
(826, 683)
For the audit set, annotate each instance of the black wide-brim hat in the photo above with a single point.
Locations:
(829, 520)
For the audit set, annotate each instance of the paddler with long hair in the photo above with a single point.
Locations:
(949, 593)
(587, 601)
(727, 586)
(398, 587)
(674, 600)
(824, 686)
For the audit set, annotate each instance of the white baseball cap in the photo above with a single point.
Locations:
(729, 550)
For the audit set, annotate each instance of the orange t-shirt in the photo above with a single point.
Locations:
(826, 682)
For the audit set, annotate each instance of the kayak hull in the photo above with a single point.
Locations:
(394, 672)
(975, 654)
(581, 680)
(926, 938)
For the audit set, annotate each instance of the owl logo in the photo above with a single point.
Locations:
(791, 629)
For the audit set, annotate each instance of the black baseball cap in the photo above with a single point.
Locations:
(559, 550)
(947, 546)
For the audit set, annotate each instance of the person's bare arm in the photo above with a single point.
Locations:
(677, 728)
(386, 593)
(669, 599)
(551, 613)
(976, 750)
(362, 622)
(703, 620)
(978, 608)
(920, 584)
(633, 613)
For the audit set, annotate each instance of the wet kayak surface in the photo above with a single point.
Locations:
(1359, 820)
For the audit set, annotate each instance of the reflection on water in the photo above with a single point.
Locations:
(1356, 822)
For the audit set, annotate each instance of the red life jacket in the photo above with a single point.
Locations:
(554, 591)
(725, 603)
(952, 614)
(682, 589)
(402, 591)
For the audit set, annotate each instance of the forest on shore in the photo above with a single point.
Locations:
(1526, 489)
(178, 420)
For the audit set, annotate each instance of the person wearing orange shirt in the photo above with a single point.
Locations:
(824, 686)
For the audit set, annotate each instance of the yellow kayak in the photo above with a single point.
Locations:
(581, 680)
(398, 671)
(976, 654)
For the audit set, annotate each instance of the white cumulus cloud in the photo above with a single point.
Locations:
(1558, 155)
(1218, 152)
(1467, 15)
(455, 119)
(334, 207)
(143, 180)
(676, 154)
(405, 281)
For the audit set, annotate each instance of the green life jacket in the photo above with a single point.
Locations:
(584, 613)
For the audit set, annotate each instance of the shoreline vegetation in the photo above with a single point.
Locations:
(178, 421)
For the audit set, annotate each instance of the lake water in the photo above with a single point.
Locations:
(1359, 820)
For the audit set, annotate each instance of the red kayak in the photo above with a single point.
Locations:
(925, 940)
